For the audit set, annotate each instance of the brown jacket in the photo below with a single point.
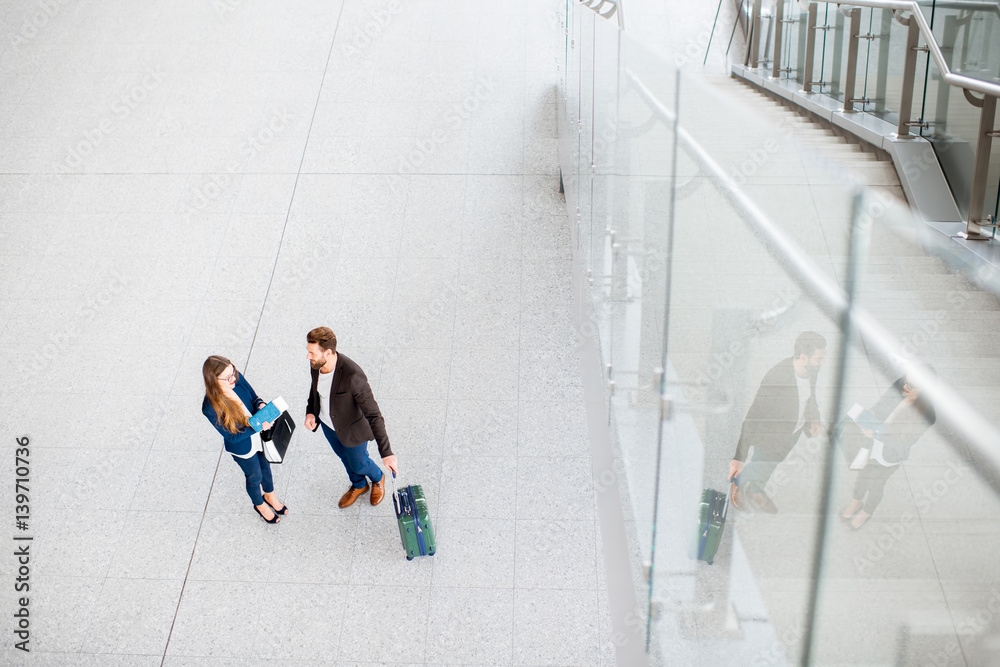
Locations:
(353, 410)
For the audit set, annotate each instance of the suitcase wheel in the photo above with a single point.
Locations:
(710, 561)
(409, 558)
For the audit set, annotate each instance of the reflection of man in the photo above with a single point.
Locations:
(784, 408)
(341, 402)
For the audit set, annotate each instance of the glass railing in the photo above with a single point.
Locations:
(718, 257)
(966, 33)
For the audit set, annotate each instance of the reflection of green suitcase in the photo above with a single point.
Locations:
(711, 521)
(414, 521)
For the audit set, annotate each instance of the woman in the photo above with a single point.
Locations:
(905, 417)
(229, 403)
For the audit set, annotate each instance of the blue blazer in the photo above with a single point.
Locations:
(238, 443)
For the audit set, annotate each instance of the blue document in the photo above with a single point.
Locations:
(268, 413)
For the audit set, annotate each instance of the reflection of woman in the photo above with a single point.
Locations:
(906, 416)
(229, 403)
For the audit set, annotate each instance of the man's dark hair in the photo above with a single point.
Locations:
(808, 343)
(324, 337)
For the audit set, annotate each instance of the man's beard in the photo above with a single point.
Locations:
(316, 365)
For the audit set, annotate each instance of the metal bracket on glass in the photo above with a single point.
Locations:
(666, 407)
(862, 100)
(988, 222)
(870, 36)
(611, 379)
(920, 122)
(823, 27)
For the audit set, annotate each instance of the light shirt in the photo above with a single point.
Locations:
(877, 448)
(255, 444)
(804, 393)
(323, 387)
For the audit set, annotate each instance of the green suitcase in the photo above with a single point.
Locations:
(711, 522)
(415, 530)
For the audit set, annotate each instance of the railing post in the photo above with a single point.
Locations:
(852, 58)
(779, 11)
(755, 35)
(909, 74)
(980, 170)
(807, 75)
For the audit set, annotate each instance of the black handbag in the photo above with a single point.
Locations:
(275, 440)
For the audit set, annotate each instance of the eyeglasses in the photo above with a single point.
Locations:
(229, 378)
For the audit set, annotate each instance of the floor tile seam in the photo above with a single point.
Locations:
(937, 571)
(256, 330)
(349, 569)
(451, 365)
(194, 549)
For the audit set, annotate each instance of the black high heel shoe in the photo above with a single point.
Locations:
(283, 511)
(274, 519)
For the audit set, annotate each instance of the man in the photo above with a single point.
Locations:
(341, 402)
(784, 408)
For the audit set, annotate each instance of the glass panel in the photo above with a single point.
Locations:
(837, 45)
(766, 35)
(736, 310)
(635, 301)
(976, 53)
(955, 122)
(873, 59)
(888, 77)
(917, 579)
(735, 316)
(794, 44)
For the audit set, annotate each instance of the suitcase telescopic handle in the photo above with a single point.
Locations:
(396, 504)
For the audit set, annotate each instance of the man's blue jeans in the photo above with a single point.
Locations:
(355, 459)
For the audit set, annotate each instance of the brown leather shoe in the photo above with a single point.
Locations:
(764, 502)
(378, 491)
(352, 494)
(736, 497)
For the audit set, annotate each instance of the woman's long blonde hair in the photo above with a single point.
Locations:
(229, 414)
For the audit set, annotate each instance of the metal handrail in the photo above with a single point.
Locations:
(977, 5)
(959, 80)
(950, 407)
